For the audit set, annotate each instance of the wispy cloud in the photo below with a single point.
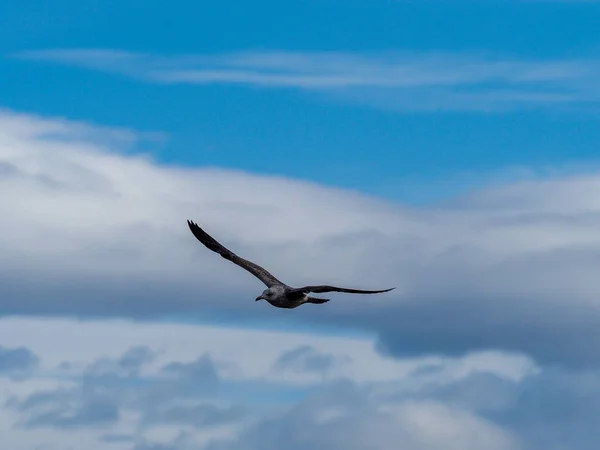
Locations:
(396, 80)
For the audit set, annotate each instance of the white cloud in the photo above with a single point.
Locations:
(89, 231)
(390, 80)
(255, 353)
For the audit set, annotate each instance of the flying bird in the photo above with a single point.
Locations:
(277, 293)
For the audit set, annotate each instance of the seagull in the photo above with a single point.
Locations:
(277, 293)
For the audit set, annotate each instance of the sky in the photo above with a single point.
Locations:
(449, 149)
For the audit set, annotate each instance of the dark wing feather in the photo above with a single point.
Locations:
(213, 245)
(325, 288)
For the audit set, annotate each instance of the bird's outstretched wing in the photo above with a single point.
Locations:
(213, 245)
(325, 288)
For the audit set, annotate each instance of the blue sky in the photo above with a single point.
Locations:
(448, 148)
(391, 148)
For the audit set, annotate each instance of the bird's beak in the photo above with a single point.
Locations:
(260, 297)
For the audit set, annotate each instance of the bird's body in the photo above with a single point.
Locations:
(283, 296)
(277, 293)
(279, 296)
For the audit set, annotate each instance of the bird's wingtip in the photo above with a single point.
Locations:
(192, 226)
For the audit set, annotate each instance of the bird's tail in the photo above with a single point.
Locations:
(317, 301)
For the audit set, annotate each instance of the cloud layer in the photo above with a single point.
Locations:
(181, 386)
(136, 386)
(103, 234)
(404, 81)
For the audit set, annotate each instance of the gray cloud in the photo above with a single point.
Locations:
(66, 412)
(198, 416)
(129, 364)
(198, 378)
(17, 363)
(308, 359)
(178, 444)
(109, 386)
(115, 438)
(555, 409)
(345, 416)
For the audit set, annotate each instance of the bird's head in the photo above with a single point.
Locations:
(266, 295)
